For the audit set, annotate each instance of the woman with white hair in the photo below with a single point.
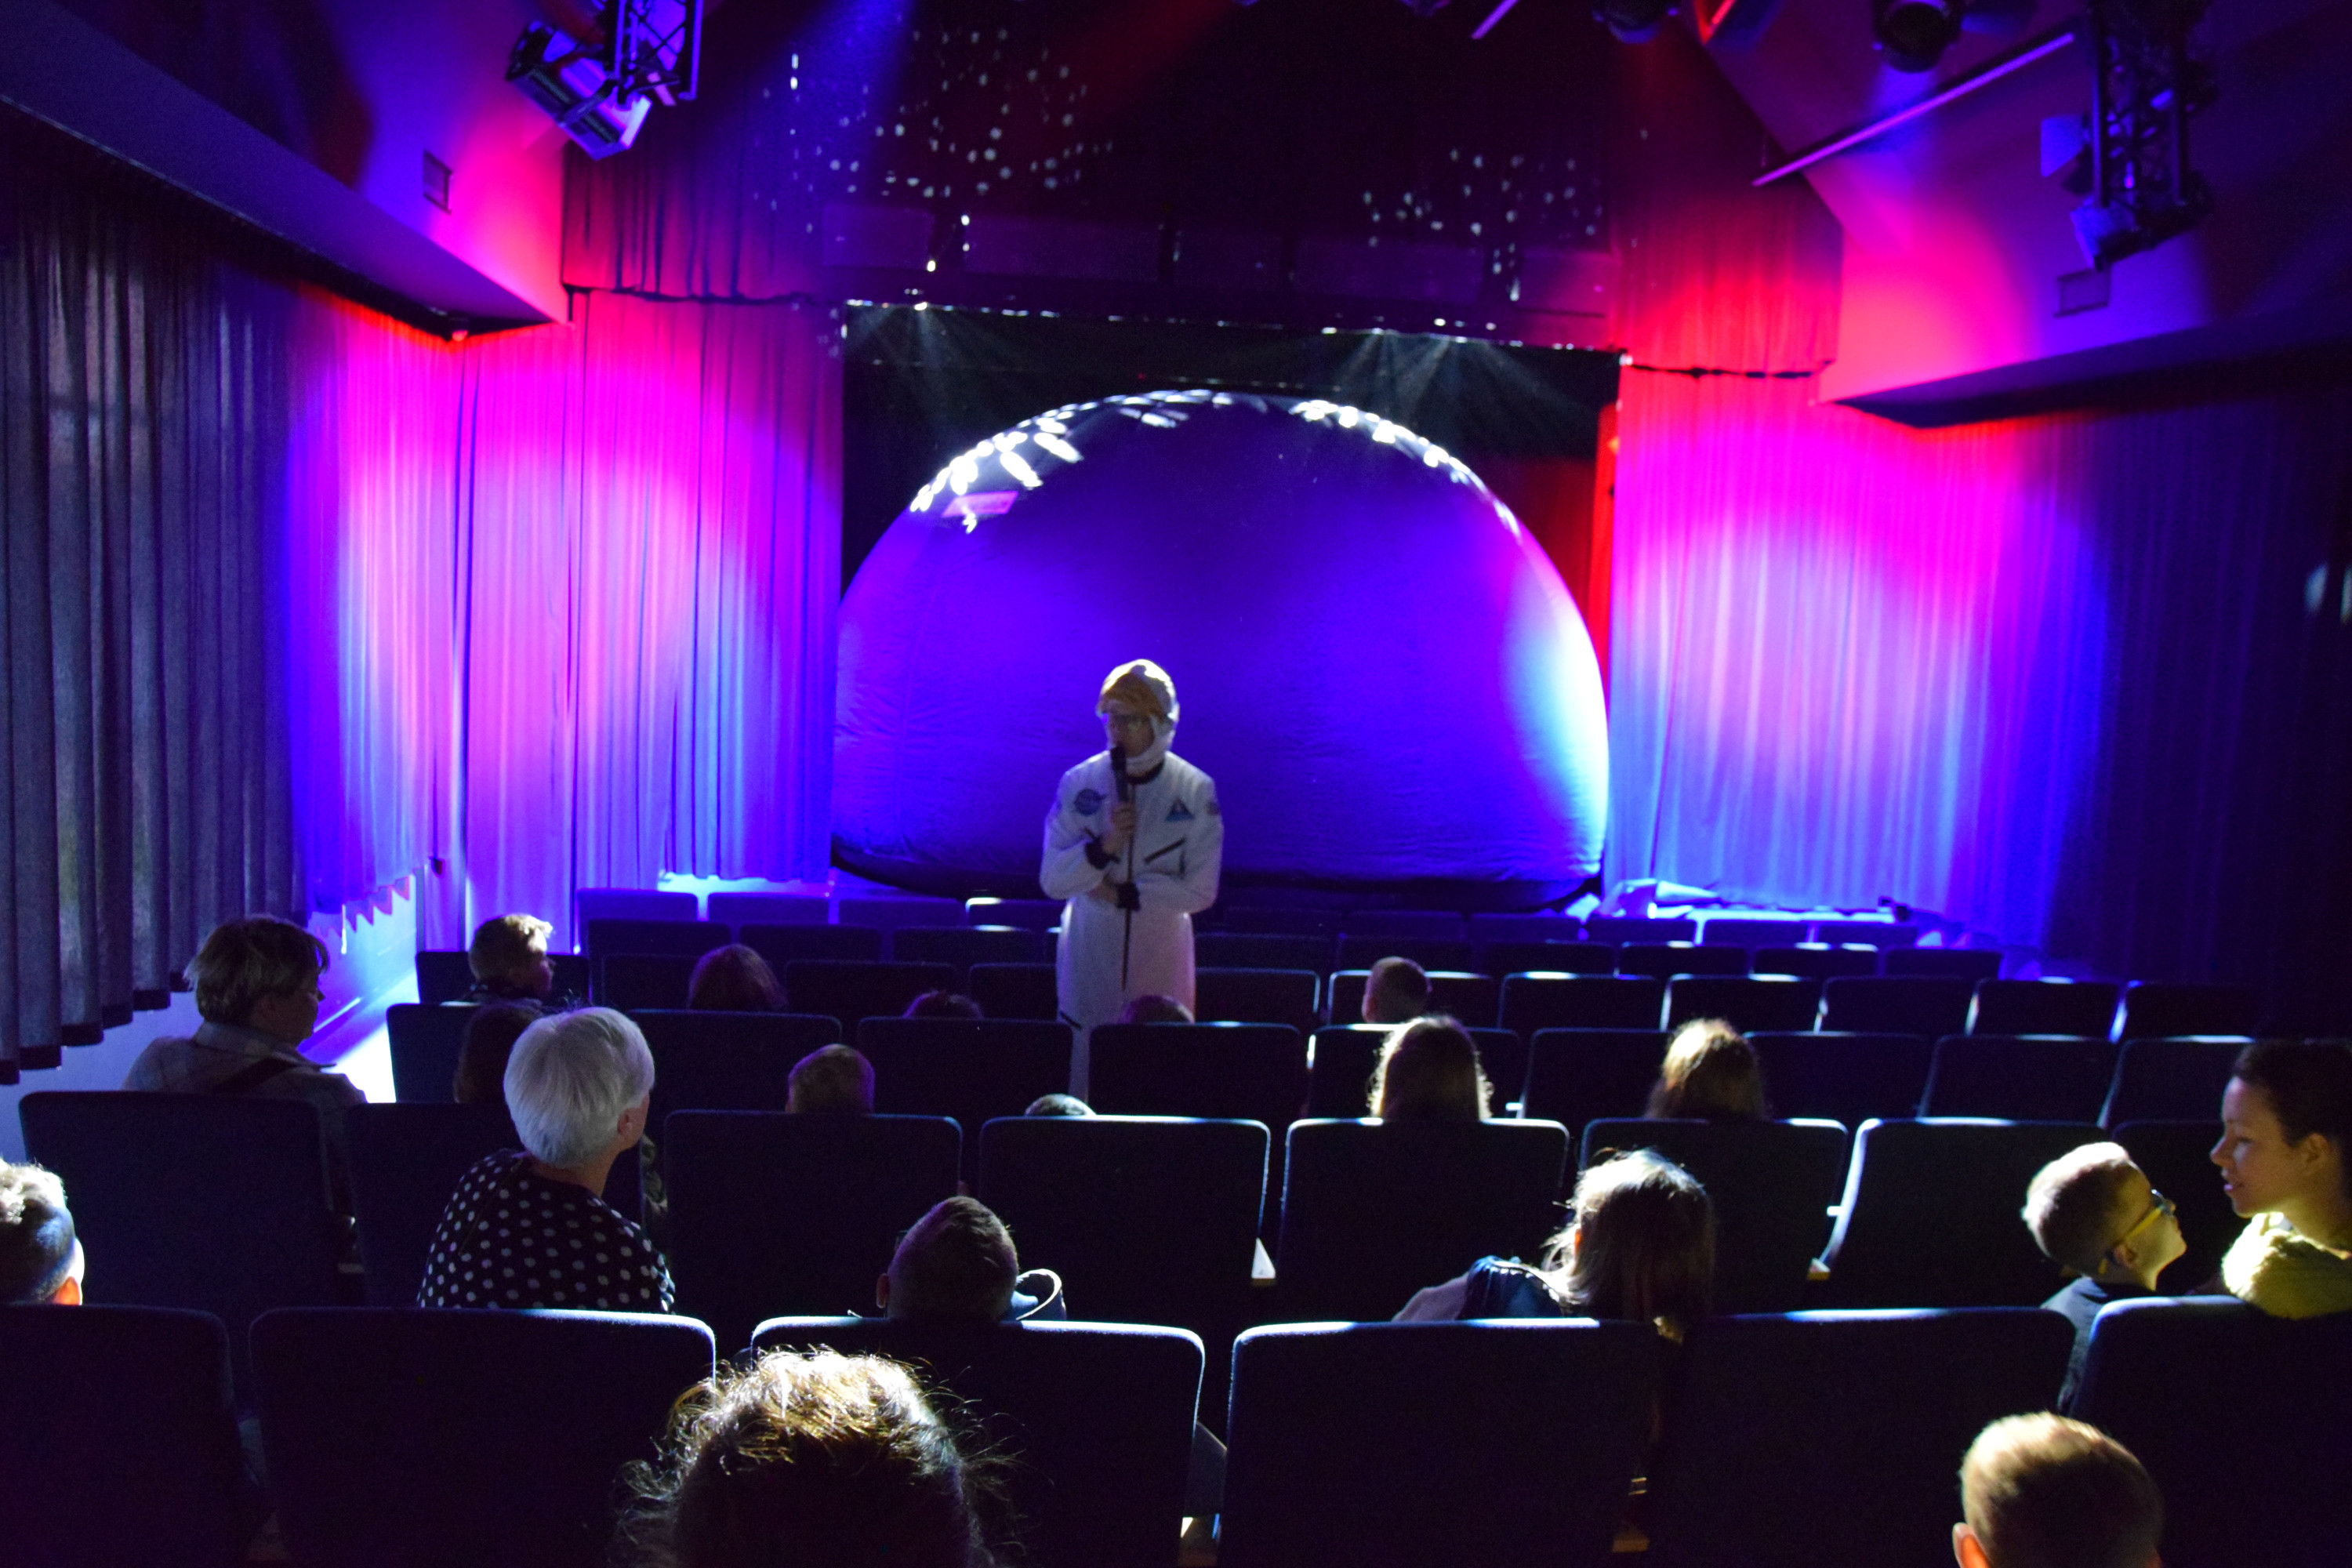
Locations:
(530, 1227)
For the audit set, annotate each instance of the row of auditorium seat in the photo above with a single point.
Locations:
(486, 1439)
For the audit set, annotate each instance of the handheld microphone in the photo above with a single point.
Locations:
(1118, 772)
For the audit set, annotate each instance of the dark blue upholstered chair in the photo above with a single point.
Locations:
(1633, 928)
(1474, 999)
(1927, 1004)
(1663, 959)
(890, 914)
(1748, 1003)
(1372, 1212)
(1752, 932)
(1256, 1072)
(631, 904)
(1539, 928)
(464, 1439)
(1931, 1214)
(1429, 925)
(1431, 953)
(1264, 950)
(1772, 1184)
(448, 977)
(1968, 963)
(674, 939)
(645, 982)
(406, 1161)
(1339, 1072)
(2023, 1077)
(425, 1044)
(1576, 1076)
(1015, 991)
(1499, 958)
(2085, 1007)
(2240, 1419)
(1818, 960)
(1095, 1420)
(784, 944)
(2178, 1079)
(2177, 1158)
(1534, 1001)
(962, 946)
(1289, 996)
(1281, 921)
(1885, 935)
(853, 992)
(2154, 1010)
(1833, 1439)
(739, 910)
(770, 1214)
(1843, 1078)
(727, 1061)
(1402, 1445)
(974, 1069)
(1029, 914)
(119, 1442)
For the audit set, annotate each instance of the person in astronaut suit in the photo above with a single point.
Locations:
(1135, 864)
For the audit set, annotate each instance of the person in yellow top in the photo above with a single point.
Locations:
(2286, 1125)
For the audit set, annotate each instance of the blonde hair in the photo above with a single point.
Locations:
(506, 945)
(1429, 1071)
(2070, 1204)
(831, 1079)
(245, 961)
(36, 1235)
(2042, 1491)
(1639, 1243)
(1710, 1073)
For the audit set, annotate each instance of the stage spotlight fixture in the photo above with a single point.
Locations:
(1914, 34)
(1634, 21)
(600, 81)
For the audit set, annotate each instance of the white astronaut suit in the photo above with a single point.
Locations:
(1110, 954)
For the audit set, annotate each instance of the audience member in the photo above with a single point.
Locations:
(1397, 991)
(2093, 1212)
(942, 1004)
(1153, 1009)
(2286, 1125)
(814, 1460)
(957, 1264)
(1640, 1244)
(1429, 1071)
(733, 979)
(509, 958)
(832, 1078)
(40, 1257)
(531, 1227)
(1058, 1105)
(1710, 1074)
(490, 1034)
(2042, 1491)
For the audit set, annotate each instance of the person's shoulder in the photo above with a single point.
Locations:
(1190, 780)
(148, 1068)
(2276, 1268)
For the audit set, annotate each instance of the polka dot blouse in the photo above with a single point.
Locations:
(510, 1237)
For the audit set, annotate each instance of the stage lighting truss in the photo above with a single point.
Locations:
(2145, 86)
(599, 87)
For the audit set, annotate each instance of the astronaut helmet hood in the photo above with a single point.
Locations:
(1144, 687)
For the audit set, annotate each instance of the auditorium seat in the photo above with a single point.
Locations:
(1772, 1184)
(1663, 960)
(1427, 925)
(2177, 1158)
(2171, 1079)
(728, 1061)
(1751, 932)
(1925, 1005)
(740, 909)
(890, 914)
(1833, 1440)
(1015, 989)
(1548, 928)
(1146, 1219)
(1253, 1072)
(448, 977)
(2085, 1007)
(1402, 1445)
(772, 1214)
(642, 982)
(631, 904)
(972, 1070)
(1092, 1423)
(784, 944)
(677, 939)
(119, 1444)
(1968, 963)
(1340, 1059)
(1748, 1003)
(1503, 1056)
(1623, 928)
(851, 991)
(2022, 1078)
(1029, 914)
(1473, 1000)
(1885, 935)
(1372, 1212)
(1576, 1076)
(964, 946)
(1264, 950)
(425, 1043)
(1930, 1215)
(1280, 920)
(1843, 1078)
(1817, 960)
(406, 1161)
(464, 1440)
(2153, 1010)
(1565, 957)
(1534, 1001)
(1431, 953)
(2240, 1419)
(1291, 996)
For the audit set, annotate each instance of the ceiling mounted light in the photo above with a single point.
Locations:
(1914, 34)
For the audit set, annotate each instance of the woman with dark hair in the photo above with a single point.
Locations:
(1710, 1074)
(734, 979)
(1429, 1071)
(2286, 1128)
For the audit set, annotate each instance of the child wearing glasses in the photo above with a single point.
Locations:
(2093, 1212)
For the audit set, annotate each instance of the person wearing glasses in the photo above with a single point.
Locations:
(2093, 1212)
(1134, 843)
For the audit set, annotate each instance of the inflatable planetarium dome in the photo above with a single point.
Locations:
(1383, 673)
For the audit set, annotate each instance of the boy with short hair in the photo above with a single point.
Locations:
(2094, 1211)
(2042, 1491)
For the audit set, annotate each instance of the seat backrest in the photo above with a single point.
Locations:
(1842, 1078)
(1256, 1072)
(406, 1161)
(1533, 1002)
(1015, 989)
(889, 914)
(2153, 1009)
(1929, 1005)
(768, 908)
(973, 1069)
(782, 945)
(1820, 959)
(1499, 957)
(1545, 928)
(1627, 928)
(727, 1061)
(631, 904)
(1576, 1076)
(1029, 914)
(1663, 960)
(641, 982)
(2177, 1158)
(1284, 921)
(1748, 1003)
(1373, 1211)
(2085, 1007)
(1400, 1445)
(1146, 1219)
(1931, 1211)
(1432, 925)
(1748, 930)
(1503, 1056)
(442, 977)
(1339, 1069)
(1472, 999)
(1357, 952)
(853, 992)
(2177, 1080)
(1772, 1184)
(2024, 1078)
(426, 1042)
(1264, 950)
(671, 937)
(1884, 934)
(1968, 963)
(1289, 996)
(2164, 1377)
(963, 945)
(1095, 1419)
(771, 1212)
(464, 1439)
(119, 1444)
(1833, 1439)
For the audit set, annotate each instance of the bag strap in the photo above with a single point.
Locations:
(253, 1074)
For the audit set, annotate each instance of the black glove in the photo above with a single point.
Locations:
(1096, 855)
(1128, 899)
